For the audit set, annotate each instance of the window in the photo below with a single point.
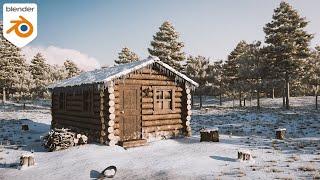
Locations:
(87, 100)
(62, 103)
(163, 100)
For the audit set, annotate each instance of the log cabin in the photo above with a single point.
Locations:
(127, 105)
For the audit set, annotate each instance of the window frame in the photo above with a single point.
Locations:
(157, 110)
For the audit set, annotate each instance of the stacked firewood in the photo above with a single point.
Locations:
(59, 139)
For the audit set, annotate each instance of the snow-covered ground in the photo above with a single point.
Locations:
(297, 157)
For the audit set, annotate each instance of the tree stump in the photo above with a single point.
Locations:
(244, 155)
(280, 133)
(24, 127)
(27, 160)
(211, 135)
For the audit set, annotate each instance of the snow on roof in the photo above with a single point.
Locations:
(111, 73)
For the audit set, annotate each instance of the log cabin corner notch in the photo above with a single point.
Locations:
(127, 104)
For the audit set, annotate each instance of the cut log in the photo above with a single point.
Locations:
(157, 117)
(161, 122)
(162, 128)
(111, 110)
(110, 89)
(244, 155)
(110, 130)
(112, 96)
(147, 111)
(146, 100)
(24, 127)
(111, 103)
(280, 133)
(210, 135)
(111, 123)
(112, 116)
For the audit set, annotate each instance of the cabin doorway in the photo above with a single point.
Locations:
(130, 113)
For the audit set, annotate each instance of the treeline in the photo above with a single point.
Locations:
(283, 65)
(20, 80)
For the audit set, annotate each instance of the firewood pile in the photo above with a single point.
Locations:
(59, 139)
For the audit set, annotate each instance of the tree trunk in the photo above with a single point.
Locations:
(283, 97)
(233, 99)
(250, 97)
(316, 94)
(272, 93)
(258, 98)
(287, 94)
(200, 101)
(240, 100)
(3, 95)
(220, 94)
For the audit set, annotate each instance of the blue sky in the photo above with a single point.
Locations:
(212, 28)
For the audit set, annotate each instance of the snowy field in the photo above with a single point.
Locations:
(297, 157)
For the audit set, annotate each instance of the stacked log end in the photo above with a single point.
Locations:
(102, 119)
(189, 112)
(27, 160)
(113, 134)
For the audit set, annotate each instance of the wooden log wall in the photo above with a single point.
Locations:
(153, 125)
(73, 116)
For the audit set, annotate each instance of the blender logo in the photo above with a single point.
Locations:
(20, 23)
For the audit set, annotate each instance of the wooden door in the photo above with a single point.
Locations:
(130, 112)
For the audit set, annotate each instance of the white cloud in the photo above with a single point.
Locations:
(57, 55)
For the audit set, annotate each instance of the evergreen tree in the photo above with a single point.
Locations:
(167, 47)
(126, 56)
(231, 70)
(12, 65)
(216, 78)
(197, 68)
(288, 43)
(57, 73)
(40, 73)
(253, 69)
(71, 68)
(312, 73)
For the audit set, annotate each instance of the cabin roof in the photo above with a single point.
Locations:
(108, 74)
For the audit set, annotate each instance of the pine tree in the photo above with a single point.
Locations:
(126, 56)
(71, 68)
(167, 47)
(253, 69)
(12, 65)
(231, 70)
(216, 78)
(40, 73)
(57, 73)
(288, 43)
(197, 68)
(312, 72)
